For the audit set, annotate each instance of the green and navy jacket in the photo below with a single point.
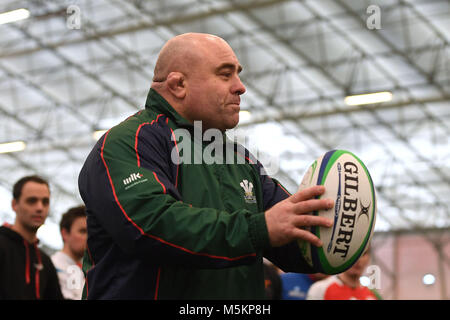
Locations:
(161, 229)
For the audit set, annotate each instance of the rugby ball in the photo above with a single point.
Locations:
(347, 181)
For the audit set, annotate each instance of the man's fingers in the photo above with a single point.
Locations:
(309, 220)
(307, 236)
(286, 219)
(306, 194)
(312, 205)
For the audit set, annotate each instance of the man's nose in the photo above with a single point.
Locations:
(40, 205)
(239, 87)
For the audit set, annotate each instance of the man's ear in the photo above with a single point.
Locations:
(176, 84)
(14, 204)
(64, 234)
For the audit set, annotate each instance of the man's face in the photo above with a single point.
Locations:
(76, 238)
(32, 206)
(214, 88)
(360, 266)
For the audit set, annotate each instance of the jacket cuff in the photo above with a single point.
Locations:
(257, 229)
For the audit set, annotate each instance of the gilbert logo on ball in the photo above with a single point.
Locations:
(347, 181)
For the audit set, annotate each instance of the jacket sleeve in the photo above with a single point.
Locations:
(288, 257)
(131, 189)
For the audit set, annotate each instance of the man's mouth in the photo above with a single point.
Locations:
(236, 100)
(235, 105)
(37, 218)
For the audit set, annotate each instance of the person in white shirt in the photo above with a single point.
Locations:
(68, 261)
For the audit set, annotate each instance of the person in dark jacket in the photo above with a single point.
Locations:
(26, 272)
(172, 216)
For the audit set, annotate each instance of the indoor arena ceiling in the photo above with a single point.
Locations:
(74, 67)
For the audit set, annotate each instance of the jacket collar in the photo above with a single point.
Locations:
(157, 103)
(8, 231)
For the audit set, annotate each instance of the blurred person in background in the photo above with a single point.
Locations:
(295, 286)
(68, 261)
(346, 285)
(26, 272)
(272, 281)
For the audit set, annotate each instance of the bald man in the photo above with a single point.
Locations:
(164, 225)
(189, 80)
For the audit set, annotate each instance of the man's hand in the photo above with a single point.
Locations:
(285, 219)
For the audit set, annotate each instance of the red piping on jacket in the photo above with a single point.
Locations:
(284, 189)
(27, 262)
(90, 256)
(136, 140)
(157, 283)
(38, 270)
(137, 153)
(152, 236)
(164, 187)
(87, 286)
(137, 134)
(38, 267)
(244, 156)
(112, 186)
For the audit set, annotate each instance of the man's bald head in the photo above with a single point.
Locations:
(198, 75)
(182, 53)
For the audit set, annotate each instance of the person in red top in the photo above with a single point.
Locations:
(344, 286)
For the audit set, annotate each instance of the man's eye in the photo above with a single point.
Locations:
(226, 75)
(31, 200)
